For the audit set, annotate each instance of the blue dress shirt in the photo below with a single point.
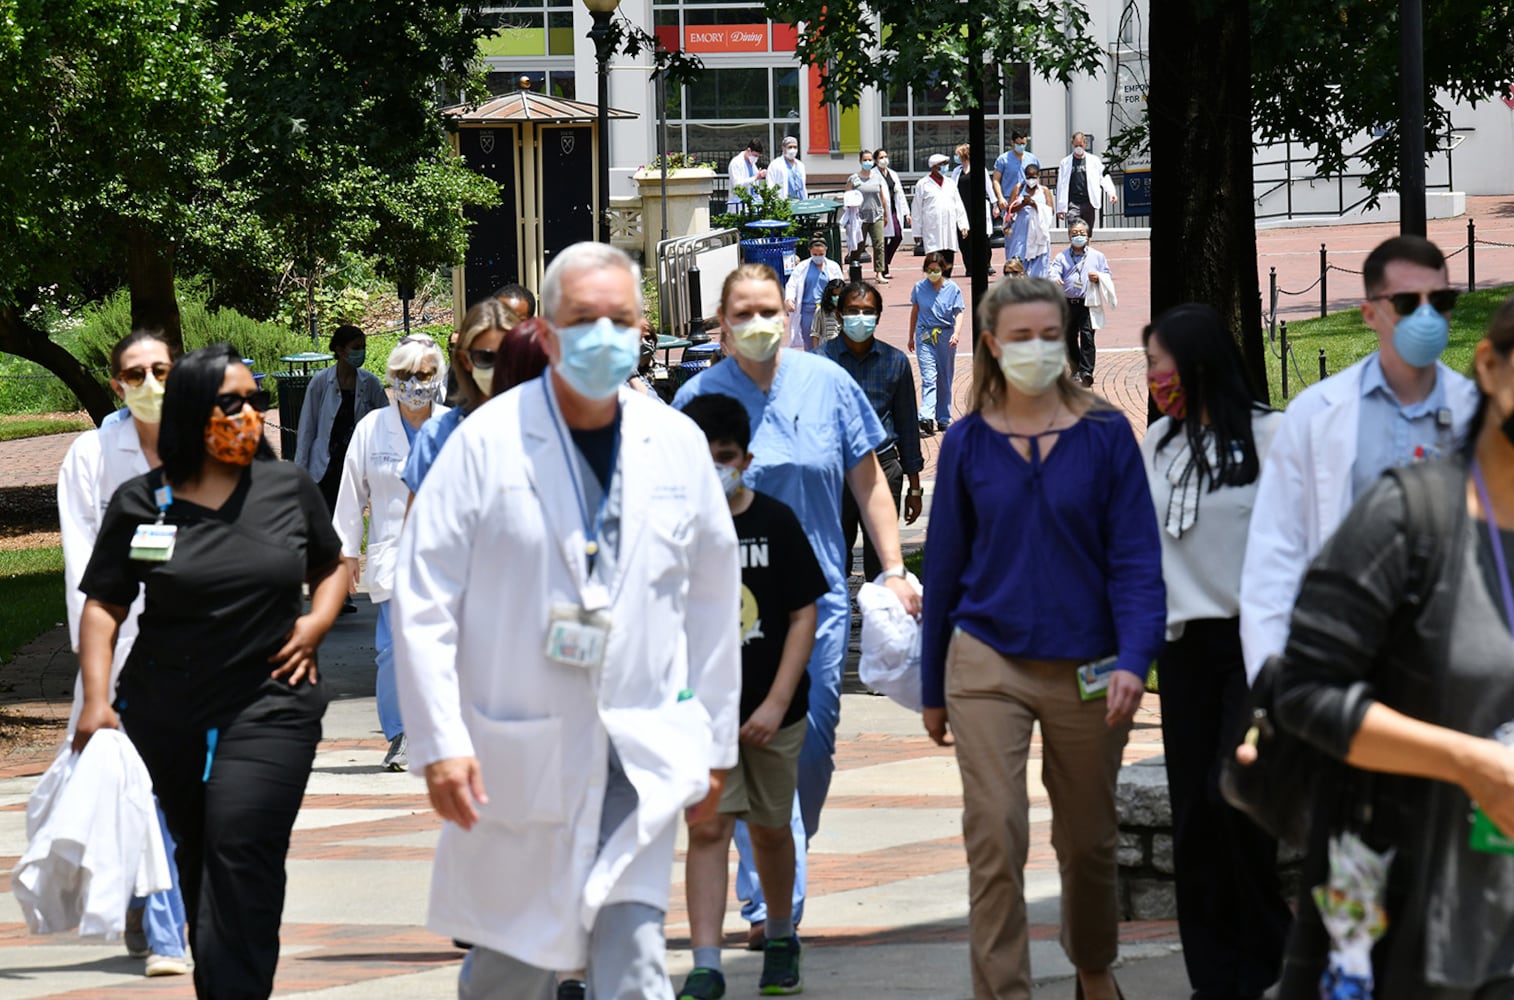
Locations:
(1389, 434)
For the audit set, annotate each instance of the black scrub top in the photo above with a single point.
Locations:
(226, 600)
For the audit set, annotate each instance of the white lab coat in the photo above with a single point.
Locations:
(97, 463)
(92, 841)
(1303, 494)
(895, 205)
(494, 541)
(793, 290)
(371, 477)
(740, 172)
(778, 177)
(1099, 297)
(1093, 168)
(322, 399)
(938, 215)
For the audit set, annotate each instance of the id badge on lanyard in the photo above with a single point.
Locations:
(154, 542)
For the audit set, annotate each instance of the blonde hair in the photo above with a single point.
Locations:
(989, 385)
(487, 314)
(963, 151)
(748, 272)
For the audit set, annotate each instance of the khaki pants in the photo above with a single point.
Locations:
(992, 703)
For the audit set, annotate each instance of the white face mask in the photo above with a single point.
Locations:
(882, 162)
(730, 479)
(790, 153)
(1032, 366)
(758, 338)
(1079, 152)
(484, 379)
(1031, 183)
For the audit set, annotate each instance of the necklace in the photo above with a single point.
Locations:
(1056, 412)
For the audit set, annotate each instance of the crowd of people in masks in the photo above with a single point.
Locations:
(668, 587)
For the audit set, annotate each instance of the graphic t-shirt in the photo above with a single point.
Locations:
(779, 575)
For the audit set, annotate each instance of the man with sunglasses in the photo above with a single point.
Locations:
(1398, 405)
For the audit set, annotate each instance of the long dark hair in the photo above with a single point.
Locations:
(1501, 335)
(1213, 378)
(188, 397)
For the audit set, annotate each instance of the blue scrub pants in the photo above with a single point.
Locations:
(1038, 267)
(937, 363)
(164, 920)
(386, 689)
(817, 761)
(806, 321)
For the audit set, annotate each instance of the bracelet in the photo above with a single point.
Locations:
(898, 572)
(914, 491)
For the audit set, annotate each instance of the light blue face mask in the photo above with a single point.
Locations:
(859, 328)
(356, 357)
(1420, 337)
(598, 357)
(1080, 241)
(1019, 147)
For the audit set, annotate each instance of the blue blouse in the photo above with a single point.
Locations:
(427, 444)
(1043, 560)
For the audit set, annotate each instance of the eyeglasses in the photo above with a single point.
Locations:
(482, 358)
(135, 376)
(1442, 300)
(231, 404)
(425, 375)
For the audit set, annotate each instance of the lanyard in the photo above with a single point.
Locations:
(1498, 557)
(592, 528)
(163, 497)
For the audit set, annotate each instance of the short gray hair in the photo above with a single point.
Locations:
(410, 352)
(585, 257)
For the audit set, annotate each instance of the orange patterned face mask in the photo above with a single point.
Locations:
(233, 440)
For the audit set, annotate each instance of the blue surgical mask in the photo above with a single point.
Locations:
(859, 328)
(1420, 337)
(1080, 241)
(867, 164)
(598, 357)
(956, 159)
(1019, 147)
(356, 357)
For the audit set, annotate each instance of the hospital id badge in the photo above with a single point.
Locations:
(153, 542)
(576, 637)
(1093, 678)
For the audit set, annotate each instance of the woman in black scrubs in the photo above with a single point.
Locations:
(219, 694)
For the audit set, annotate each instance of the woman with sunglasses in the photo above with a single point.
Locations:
(479, 338)
(97, 463)
(219, 694)
(371, 479)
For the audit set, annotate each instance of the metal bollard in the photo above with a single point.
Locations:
(696, 306)
(1272, 305)
(1324, 269)
(1471, 255)
(1323, 374)
(1283, 354)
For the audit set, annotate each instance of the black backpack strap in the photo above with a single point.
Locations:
(1435, 509)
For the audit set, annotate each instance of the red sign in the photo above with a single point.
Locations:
(725, 38)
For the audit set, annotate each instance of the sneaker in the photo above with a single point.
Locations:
(881, 279)
(780, 968)
(927, 429)
(136, 936)
(572, 989)
(703, 984)
(398, 757)
(166, 965)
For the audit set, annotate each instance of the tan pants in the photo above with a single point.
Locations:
(992, 703)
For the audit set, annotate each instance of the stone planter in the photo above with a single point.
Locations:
(689, 191)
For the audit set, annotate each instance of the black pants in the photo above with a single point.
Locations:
(951, 259)
(1080, 346)
(851, 517)
(1231, 913)
(233, 829)
(1085, 210)
(890, 245)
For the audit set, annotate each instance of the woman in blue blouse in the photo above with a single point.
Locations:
(1042, 556)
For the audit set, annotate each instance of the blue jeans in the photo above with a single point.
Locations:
(164, 920)
(386, 690)
(937, 362)
(817, 761)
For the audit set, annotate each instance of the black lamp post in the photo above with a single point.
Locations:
(1411, 116)
(601, 10)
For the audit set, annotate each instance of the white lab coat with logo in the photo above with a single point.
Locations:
(371, 478)
(97, 463)
(1302, 496)
(938, 215)
(494, 541)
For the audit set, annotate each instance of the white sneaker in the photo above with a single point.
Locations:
(398, 757)
(166, 965)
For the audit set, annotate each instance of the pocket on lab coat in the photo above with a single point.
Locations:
(521, 760)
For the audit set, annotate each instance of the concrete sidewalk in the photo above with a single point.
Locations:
(887, 916)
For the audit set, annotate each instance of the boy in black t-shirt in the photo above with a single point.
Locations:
(781, 580)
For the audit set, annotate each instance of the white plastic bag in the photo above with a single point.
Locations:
(890, 663)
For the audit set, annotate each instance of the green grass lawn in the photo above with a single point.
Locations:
(31, 592)
(1346, 339)
(30, 427)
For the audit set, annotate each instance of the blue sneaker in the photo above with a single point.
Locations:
(780, 968)
(703, 984)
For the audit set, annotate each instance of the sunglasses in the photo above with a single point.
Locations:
(1442, 300)
(231, 404)
(482, 358)
(137, 375)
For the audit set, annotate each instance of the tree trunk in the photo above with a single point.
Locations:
(149, 273)
(24, 341)
(976, 196)
(1203, 228)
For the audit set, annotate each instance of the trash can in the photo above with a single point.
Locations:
(820, 217)
(292, 386)
(766, 247)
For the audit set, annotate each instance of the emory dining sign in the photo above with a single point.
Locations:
(725, 38)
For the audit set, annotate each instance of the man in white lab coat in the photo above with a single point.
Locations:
(788, 174)
(1082, 184)
(743, 171)
(939, 215)
(568, 634)
(1398, 405)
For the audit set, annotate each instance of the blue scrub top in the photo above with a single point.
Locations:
(813, 425)
(427, 444)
